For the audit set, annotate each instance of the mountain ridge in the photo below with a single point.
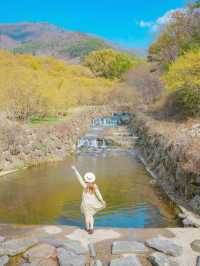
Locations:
(42, 38)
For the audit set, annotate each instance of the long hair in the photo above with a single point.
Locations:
(90, 187)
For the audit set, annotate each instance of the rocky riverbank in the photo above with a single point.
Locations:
(171, 157)
(24, 146)
(64, 246)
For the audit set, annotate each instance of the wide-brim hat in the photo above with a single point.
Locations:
(89, 177)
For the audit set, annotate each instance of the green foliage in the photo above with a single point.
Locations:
(84, 47)
(109, 63)
(183, 81)
(61, 48)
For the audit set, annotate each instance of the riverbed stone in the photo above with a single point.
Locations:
(195, 245)
(122, 247)
(41, 251)
(96, 263)
(159, 259)
(164, 245)
(16, 246)
(69, 258)
(187, 222)
(131, 260)
(4, 260)
(195, 203)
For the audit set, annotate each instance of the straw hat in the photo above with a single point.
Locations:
(89, 177)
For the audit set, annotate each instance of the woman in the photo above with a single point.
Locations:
(92, 201)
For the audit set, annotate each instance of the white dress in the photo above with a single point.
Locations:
(91, 202)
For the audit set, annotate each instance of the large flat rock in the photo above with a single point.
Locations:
(164, 245)
(123, 247)
(41, 251)
(69, 258)
(75, 246)
(16, 246)
(126, 261)
(159, 259)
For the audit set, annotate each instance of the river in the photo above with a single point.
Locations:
(51, 194)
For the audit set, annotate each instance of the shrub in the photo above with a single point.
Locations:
(147, 83)
(109, 63)
(183, 81)
(43, 86)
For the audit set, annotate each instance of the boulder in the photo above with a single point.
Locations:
(159, 259)
(164, 245)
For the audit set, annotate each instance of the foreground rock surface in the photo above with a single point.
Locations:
(69, 258)
(159, 259)
(165, 245)
(41, 251)
(16, 246)
(127, 261)
(120, 247)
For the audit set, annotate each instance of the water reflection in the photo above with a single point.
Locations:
(50, 194)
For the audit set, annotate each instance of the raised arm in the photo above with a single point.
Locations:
(99, 196)
(79, 177)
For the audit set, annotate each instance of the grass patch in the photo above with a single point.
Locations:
(36, 121)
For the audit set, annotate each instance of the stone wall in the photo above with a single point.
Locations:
(23, 146)
(169, 159)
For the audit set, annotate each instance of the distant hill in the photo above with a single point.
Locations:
(47, 39)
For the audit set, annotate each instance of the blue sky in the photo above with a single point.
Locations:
(129, 23)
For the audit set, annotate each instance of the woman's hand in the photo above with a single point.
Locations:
(73, 167)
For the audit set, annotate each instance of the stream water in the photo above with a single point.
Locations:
(50, 194)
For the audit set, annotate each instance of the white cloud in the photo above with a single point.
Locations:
(161, 21)
(145, 24)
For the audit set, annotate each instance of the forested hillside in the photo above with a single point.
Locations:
(46, 39)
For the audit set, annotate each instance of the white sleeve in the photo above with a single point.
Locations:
(99, 196)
